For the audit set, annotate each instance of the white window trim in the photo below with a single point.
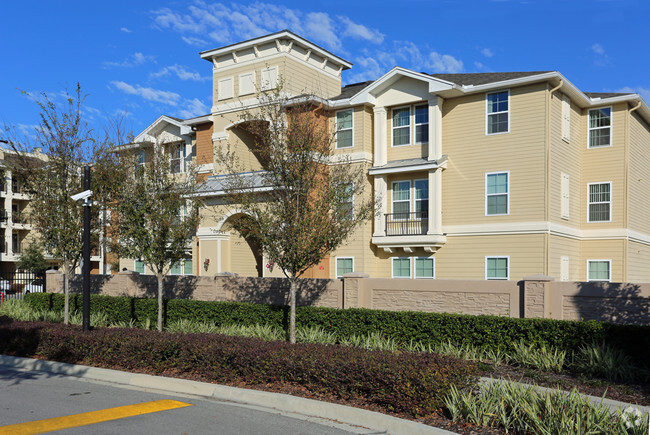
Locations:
(181, 158)
(244, 76)
(392, 196)
(270, 85)
(410, 126)
(507, 257)
(487, 115)
(611, 199)
(494, 194)
(336, 122)
(144, 266)
(415, 275)
(611, 128)
(415, 124)
(607, 260)
(336, 265)
(221, 84)
(392, 267)
(182, 262)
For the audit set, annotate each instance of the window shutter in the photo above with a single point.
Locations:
(566, 201)
(566, 118)
(564, 268)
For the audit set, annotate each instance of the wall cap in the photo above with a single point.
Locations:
(54, 271)
(355, 275)
(538, 277)
(128, 272)
(226, 274)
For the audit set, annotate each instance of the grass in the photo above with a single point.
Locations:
(523, 409)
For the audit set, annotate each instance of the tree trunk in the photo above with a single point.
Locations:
(292, 305)
(66, 296)
(160, 300)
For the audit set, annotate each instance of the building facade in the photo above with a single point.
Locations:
(478, 176)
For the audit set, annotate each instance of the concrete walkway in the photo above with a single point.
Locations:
(363, 421)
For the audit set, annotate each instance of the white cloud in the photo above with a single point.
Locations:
(125, 30)
(487, 52)
(133, 60)
(167, 19)
(360, 31)
(319, 25)
(193, 41)
(644, 92)
(180, 72)
(598, 49)
(444, 63)
(157, 95)
(193, 108)
(368, 69)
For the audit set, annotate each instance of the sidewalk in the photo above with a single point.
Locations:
(367, 422)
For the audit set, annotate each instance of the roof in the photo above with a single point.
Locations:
(218, 184)
(476, 79)
(606, 94)
(351, 90)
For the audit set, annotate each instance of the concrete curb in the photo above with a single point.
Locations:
(611, 404)
(377, 422)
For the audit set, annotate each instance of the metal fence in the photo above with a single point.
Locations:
(17, 284)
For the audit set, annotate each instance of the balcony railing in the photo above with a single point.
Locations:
(407, 224)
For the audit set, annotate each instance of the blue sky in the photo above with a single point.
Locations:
(141, 58)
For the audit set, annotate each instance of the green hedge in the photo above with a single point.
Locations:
(403, 326)
(411, 383)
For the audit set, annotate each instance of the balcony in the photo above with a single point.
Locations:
(407, 231)
(21, 219)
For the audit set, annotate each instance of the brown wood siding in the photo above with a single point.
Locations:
(204, 150)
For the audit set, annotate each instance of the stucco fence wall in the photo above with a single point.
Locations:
(534, 296)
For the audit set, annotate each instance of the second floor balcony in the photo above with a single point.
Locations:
(407, 231)
(406, 224)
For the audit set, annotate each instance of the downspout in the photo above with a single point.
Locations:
(547, 181)
(628, 125)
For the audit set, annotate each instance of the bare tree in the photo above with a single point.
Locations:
(55, 174)
(156, 215)
(317, 199)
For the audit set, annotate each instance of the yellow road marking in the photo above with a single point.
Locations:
(86, 418)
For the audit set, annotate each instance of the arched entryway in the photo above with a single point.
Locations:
(241, 255)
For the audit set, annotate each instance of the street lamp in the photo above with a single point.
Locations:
(87, 202)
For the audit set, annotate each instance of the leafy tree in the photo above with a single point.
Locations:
(318, 199)
(67, 145)
(33, 259)
(156, 215)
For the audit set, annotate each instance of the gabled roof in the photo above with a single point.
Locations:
(475, 79)
(146, 133)
(282, 34)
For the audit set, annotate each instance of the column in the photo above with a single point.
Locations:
(435, 127)
(435, 201)
(381, 144)
(381, 195)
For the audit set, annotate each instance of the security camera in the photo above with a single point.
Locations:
(82, 196)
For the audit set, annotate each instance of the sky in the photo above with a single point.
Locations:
(140, 59)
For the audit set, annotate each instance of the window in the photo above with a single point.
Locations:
(176, 156)
(422, 198)
(498, 119)
(497, 267)
(566, 200)
(138, 266)
(401, 267)
(224, 89)
(347, 207)
(247, 83)
(599, 270)
(269, 78)
(422, 124)
(496, 193)
(141, 158)
(401, 197)
(183, 267)
(344, 265)
(566, 118)
(344, 137)
(424, 267)
(599, 202)
(600, 127)
(402, 126)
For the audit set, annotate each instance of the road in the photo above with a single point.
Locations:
(28, 396)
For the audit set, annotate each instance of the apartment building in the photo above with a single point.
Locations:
(479, 176)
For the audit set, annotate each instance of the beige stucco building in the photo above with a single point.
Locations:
(479, 176)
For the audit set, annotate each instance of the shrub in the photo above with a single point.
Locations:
(490, 333)
(402, 382)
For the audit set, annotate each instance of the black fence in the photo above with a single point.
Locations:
(17, 284)
(407, 224)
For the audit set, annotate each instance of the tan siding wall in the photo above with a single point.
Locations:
(606, 164)
(204, 151)
(565, 157)
(639, 177)
(238, 254)
(638, 260)
(472, 153)
(564, 246)
(604, 250)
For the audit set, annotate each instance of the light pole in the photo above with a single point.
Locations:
(87, 202)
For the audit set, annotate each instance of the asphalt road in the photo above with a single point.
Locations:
(27, 396)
